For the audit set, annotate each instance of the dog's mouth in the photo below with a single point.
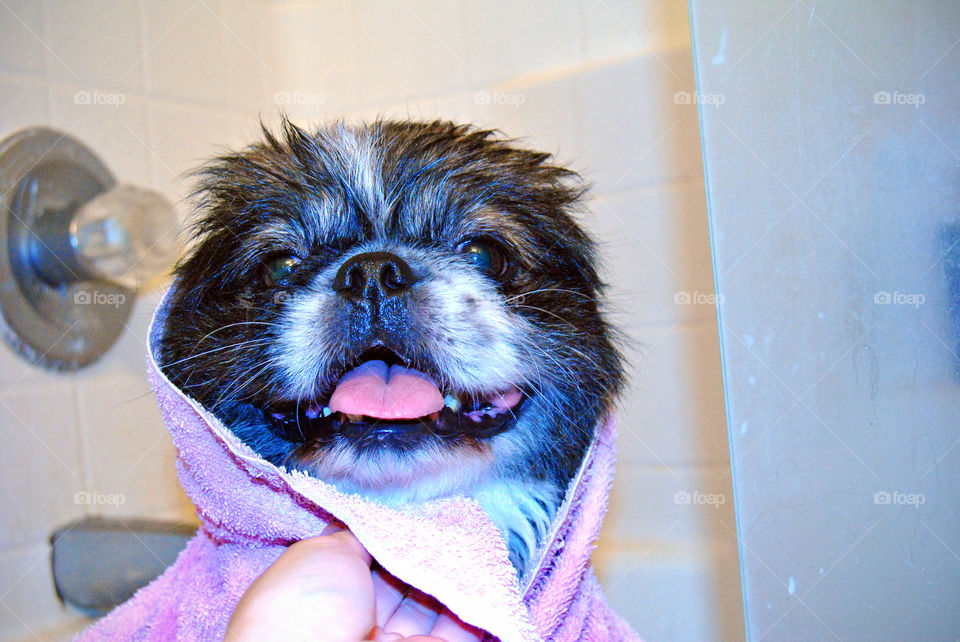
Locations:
(380, 400)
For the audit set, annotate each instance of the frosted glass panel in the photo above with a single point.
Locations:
(832, 145)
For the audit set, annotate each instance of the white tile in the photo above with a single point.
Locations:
(506, 40)
(460, 108)
(24, 103)
(182, 51)
(127, 448)
(95, 43)
(184, 136)
(409, 49)
(680, 505)
(22, 377)
(40, 464)
(62, 632)
(725, 589)
(615, 28)
(247, 39)
(631, 131)
(312, 60)
(111, 123)
(21, 37)
(540, 112)
(666, 523)
(128, 356)
(655, 252)
(665, 595)
(673, 410)
(14, 369)
(28, 600)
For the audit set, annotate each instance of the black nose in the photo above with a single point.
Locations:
(373, 273)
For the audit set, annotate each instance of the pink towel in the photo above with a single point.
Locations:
(250, 510)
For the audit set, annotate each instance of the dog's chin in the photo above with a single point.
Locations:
(393, 476)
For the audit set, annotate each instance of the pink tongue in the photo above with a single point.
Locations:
(393, 392)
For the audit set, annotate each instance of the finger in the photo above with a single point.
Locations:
(311, 585)
(344, 536)
(388, 592)
(331, 528)
(452, 629)
(416, 614)
(349, 540)
(379, 635)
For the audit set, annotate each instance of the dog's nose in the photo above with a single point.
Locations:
(373, 273)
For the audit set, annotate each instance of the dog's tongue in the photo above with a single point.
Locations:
(386, 392)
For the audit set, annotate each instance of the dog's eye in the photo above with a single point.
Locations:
(279, 268)
(485, 255)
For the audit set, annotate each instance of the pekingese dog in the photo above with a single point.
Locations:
(406, 310)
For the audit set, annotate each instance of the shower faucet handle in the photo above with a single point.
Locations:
(125, 235)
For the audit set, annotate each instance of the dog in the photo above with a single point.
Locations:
(405, 310)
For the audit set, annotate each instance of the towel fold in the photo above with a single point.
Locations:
(250, 510)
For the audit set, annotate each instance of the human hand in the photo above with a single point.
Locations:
(323, 588)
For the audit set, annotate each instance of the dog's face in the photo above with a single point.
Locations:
(403, 309)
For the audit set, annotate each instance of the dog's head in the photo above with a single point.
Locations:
(395, 307)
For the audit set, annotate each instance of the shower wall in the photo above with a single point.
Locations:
(155, 87)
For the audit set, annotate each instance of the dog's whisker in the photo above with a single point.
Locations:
(523, 295)
(238, 386)
(552, 314)
(233, 325)
(231, 346)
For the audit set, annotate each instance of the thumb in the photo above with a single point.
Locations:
(319, 589)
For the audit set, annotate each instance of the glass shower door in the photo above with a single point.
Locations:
(832, 153)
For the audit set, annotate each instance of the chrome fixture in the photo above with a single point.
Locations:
(74, 249)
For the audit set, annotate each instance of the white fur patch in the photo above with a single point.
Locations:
(360, 156)
(397, 478)
(521, 508)
(477, 339)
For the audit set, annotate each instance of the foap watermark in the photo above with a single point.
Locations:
(899, 298)
(298, 98)
(684, 297)
(896, 498)
(83, 297)
(898, 98)
(99, 98)
(696, 498)
(688, 98)
(499, 98)
(96, 498)
(280, 297)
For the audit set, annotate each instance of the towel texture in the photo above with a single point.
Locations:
(250, 510)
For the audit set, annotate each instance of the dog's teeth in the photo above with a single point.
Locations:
(354, 419)
(434, 416)
(326, 411)
(452, 403)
